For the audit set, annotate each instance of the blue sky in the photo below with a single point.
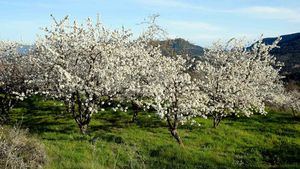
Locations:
(198, 21)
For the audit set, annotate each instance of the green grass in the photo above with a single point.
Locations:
(271, 141)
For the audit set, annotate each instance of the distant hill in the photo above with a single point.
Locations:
(289, 54)
(180, 46)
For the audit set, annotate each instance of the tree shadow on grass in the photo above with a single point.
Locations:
(39, 126)
(41, 103)
(123, 119)
(272, 117)
(282, 155)
(176, 157)
(275, 123)
(150, 122)
(38, 121)
(108, 137)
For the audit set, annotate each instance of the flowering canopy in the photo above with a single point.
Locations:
(16, 73)
(238, 80)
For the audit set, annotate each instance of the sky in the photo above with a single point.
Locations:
(199, 21)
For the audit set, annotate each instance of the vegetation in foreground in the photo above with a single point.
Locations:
(271, 141)
(19, 151)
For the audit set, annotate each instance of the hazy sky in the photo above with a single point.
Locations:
(198, 21)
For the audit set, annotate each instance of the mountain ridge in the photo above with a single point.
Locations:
(288, 52)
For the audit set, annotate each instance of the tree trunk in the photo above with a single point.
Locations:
(134, 116)
(173, 129)
(294, 113)
(135, 110)
(83, 128)
(81, 114)
(176, 136)
(216, 121)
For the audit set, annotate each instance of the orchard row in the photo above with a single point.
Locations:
(87, 65)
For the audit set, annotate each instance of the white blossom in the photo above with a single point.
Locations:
(237, 79)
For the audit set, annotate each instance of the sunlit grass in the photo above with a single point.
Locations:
(113, 142)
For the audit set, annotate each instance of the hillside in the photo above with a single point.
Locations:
(289, 54)
(180, 46)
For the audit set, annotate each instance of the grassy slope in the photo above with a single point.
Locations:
(257, 142)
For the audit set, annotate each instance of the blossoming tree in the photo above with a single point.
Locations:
(16, 72)
(84, 63)
(238, 80)
(176, 97)
(291, 101)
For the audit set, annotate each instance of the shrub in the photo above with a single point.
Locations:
(19, 151)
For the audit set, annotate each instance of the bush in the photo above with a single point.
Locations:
(18, 151)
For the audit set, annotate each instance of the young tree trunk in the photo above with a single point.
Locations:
(83, 128)
(80, 113)
(173, 129)
(176, 136)
(216, 120)
(134, 116)
(294, 113)
(135, 110)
